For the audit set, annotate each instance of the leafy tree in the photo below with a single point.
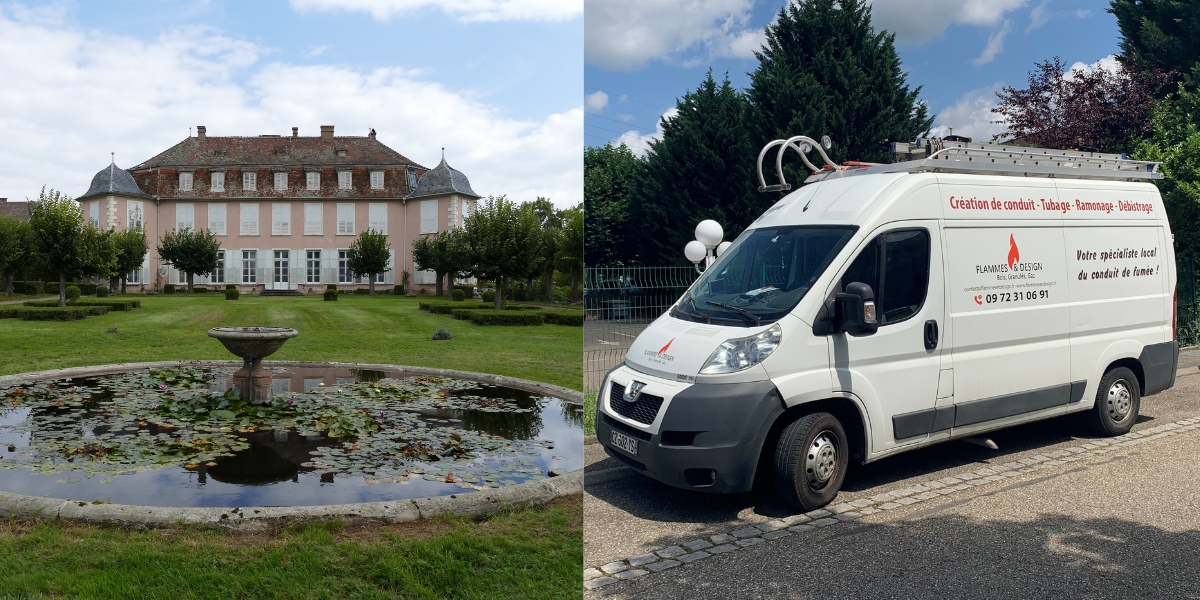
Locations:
(443, 253)
(702, 168)
(102, 256)
(570, 254)
(825, 70)
(502, 240)
(15, 248)
(549, 224)
(1083, 107)
(132, 248)
(1160, 35)
(57, 224)
(368, 256)
(609, 176)
(192, 251)
(1175, 141)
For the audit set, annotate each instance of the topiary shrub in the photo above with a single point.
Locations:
(169, 288)
(458, 296)
(102, 291)
(441, 334)
(362, 291)
(232, 294)
(331, 295)
(489, 296)
(398, 290)
(331, 286)
(72, 293)
(231, 286)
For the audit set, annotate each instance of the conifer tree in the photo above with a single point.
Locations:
(1160, 35)
(609, 174)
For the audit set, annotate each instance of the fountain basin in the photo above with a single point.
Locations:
(253, 344)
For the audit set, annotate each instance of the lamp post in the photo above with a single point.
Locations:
(707, 246)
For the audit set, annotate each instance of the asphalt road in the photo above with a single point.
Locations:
(1129, 517)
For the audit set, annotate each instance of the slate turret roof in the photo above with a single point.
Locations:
(113, 180)
(442, 180)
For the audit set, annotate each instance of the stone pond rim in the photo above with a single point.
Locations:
(473, 504)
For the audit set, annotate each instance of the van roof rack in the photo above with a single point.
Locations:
(965, 157)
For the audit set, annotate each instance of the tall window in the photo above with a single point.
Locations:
(216, 218)
(281, 219)
(249, 218)
(218, 182)
(135, 214)
(344, 274)
(249, 266)
(219, 273)
(377, 180)
(249, 182)
(94, 213)
(281, 181)
(344, 180)
(312, 219)
(378, 217)
(185, 181)
(185, 216)
(312, 262)
(429, 216)
(313, 180)
(345, 219)
(134, 277)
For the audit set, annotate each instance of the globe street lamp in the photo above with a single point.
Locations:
(707, 246)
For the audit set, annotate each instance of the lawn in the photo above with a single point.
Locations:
(382, 329)
(530, 553)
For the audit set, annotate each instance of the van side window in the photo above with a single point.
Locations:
(900, 288)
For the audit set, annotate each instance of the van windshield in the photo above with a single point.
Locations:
(763, 275)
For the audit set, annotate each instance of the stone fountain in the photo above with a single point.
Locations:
(253, 344)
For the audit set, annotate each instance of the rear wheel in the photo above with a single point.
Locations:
(1118, 400)
(810, 461)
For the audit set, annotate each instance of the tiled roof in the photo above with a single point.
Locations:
(16, 210)
(443, 179)
(113, 180)
(290, 151)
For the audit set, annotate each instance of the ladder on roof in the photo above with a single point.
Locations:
(966, 157)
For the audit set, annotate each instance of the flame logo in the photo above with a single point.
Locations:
(664, 348)
(1013, 254)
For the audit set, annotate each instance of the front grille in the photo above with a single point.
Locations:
(643, 411)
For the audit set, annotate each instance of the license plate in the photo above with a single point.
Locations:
(624, 442)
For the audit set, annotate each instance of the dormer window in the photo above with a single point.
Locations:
(377, 180)
(341, 152)
(281, 181)
(218, 182)
(249, 181)
(344, 180)
(313, 180)
(219, 152)
(185, 181)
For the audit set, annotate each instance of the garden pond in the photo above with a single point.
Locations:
(183, 438)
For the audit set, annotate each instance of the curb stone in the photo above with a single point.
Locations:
(258, 518)
(850, 511)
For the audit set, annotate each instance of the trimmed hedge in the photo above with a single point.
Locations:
(489, 296)
(87, 289)
(70, 313)
(199, 290)
(521, 307)
(331, 295)
(564, 318)
(169, 288)
(115, 304)
(35, 288)
(102, 292)
(493, 317)
(362, 291)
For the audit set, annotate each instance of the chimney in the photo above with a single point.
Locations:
(295, 132)
(200, 132)
(327, 132)
(372, 134)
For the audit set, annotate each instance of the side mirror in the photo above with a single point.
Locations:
(854, 310)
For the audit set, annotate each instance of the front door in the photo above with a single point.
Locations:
(894, 372)
(280, 280)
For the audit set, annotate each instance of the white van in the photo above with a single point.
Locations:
(889, 307)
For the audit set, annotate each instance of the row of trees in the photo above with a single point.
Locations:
(503, 241)
(825, 70)
(58, 239)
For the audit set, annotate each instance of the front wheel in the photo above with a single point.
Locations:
(810, 461)
(1118, 400)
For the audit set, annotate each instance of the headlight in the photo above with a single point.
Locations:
(742, 353)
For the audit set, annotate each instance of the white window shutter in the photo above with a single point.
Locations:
(390, 277)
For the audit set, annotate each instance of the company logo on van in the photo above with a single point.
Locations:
(661, 357)
(1012, 262)
(1013, 254)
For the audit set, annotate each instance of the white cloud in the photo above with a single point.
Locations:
(595, 101)
(316, 51)
(1108, 63)
(71, 96)
(1083, 13)
(917, 23)
(627, 34)
(638, 142)
(1038, 17)
(971, 116)
(995, 45)
(463, 10)
(625, 117)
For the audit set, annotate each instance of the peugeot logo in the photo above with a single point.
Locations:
(633, 391)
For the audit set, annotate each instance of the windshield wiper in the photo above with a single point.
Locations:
(707, 319)
(735, 309)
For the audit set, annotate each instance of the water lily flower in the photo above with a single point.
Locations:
(153, 406)
(289, 401)
(162, 386)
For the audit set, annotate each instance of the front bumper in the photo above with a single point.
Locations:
(708, 437)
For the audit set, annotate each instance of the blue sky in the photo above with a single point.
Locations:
(960, 51)
(494, 81)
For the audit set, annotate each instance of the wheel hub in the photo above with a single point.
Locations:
(1119, 401)
(821, 460)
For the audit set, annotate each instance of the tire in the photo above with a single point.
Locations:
(811, 458)
(1118, 400)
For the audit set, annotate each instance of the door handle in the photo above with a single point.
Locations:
(931, 334)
